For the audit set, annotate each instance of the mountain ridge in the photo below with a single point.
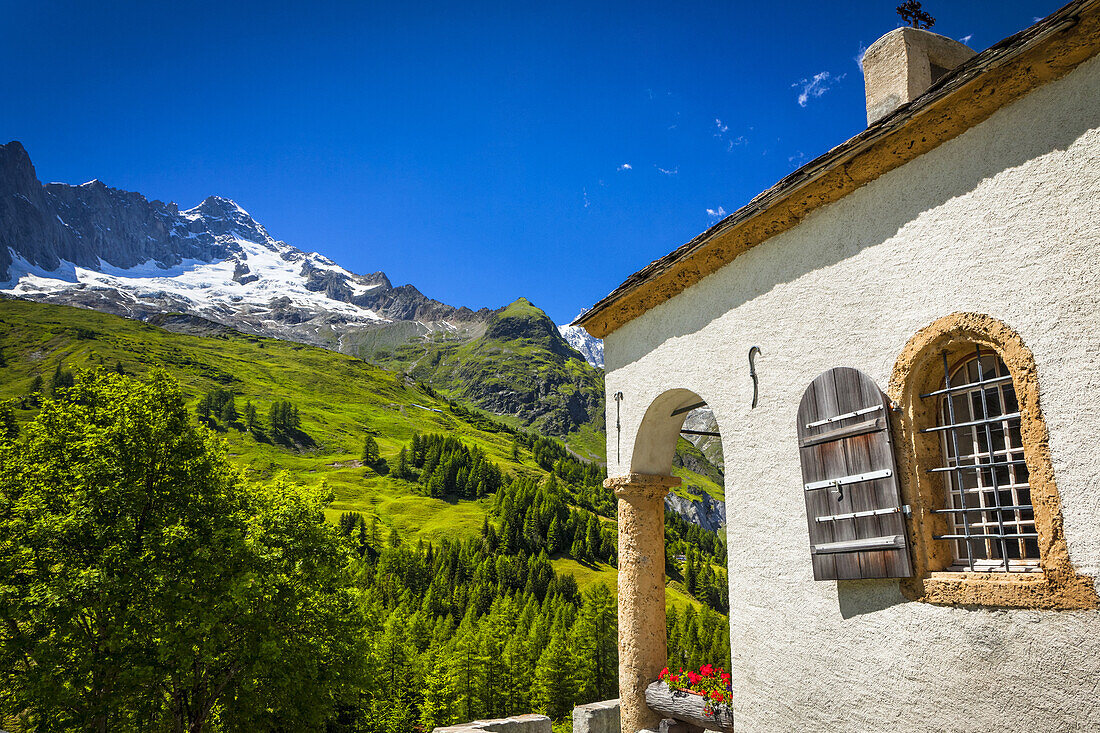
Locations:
(115, 251)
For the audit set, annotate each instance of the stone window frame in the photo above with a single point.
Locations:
(919, 370)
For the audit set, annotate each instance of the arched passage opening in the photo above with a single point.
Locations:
(672, 558)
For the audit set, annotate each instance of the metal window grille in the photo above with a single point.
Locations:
(988, 496)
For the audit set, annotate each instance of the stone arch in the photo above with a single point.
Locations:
(641, 493)
(655, 442)
(919, 370)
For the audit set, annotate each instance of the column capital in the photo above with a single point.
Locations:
(641, 485)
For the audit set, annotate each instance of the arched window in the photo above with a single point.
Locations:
(974, 464)
(988, 497)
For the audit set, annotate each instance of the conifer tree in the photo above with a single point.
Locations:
(229, 412)
(402, 471)
(364, 543)
(466, 671)
(593, 539)
(250, 419)
(62, 380)
(690, 572)
(553, 537)
(203, 408)
(555, 688)
(517, 687)
(34, 392)
(436, 708)
(370, 451)
(9, 428)
(595, 643)
(531, 532)
(672, 623)
(437, 485)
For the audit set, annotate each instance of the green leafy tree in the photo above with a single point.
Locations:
(109, 494)
(142, 580)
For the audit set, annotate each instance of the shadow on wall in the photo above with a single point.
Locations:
(976, 155)
(859, 597)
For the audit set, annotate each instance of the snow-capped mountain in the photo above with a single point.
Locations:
(582, 341)
(99, 247)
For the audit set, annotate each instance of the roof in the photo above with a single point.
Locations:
(966, 96)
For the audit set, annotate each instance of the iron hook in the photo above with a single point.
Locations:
(752, 373)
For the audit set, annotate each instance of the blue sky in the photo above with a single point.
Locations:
(480, 151)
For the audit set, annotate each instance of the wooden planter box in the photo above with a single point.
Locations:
(687, 707)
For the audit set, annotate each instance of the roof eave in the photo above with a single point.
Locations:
(970, 94)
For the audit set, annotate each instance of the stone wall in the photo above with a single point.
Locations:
(1003, 220)
(529, 723)
(597, 717)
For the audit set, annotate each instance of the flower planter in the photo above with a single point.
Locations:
(687, 706)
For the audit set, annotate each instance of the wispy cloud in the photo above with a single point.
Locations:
(666, 171)
(586, 202)
(966, 39)
(626, 167)
(716, 213)
(721, 129)
(797, 159)
(858, 58)
(816, 87)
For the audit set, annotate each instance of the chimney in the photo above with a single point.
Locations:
(903, 64)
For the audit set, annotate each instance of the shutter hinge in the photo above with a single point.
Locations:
(906, 510)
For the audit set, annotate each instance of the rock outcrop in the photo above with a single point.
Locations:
(705, 512)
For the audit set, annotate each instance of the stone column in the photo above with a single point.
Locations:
(642, 650)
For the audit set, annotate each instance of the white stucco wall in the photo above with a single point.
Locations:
(1004, 220)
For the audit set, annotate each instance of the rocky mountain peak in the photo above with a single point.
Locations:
(17, 173)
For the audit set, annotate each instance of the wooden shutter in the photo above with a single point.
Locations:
(853, 506)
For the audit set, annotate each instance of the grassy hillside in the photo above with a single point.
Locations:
(519, 366)
(341, 400)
